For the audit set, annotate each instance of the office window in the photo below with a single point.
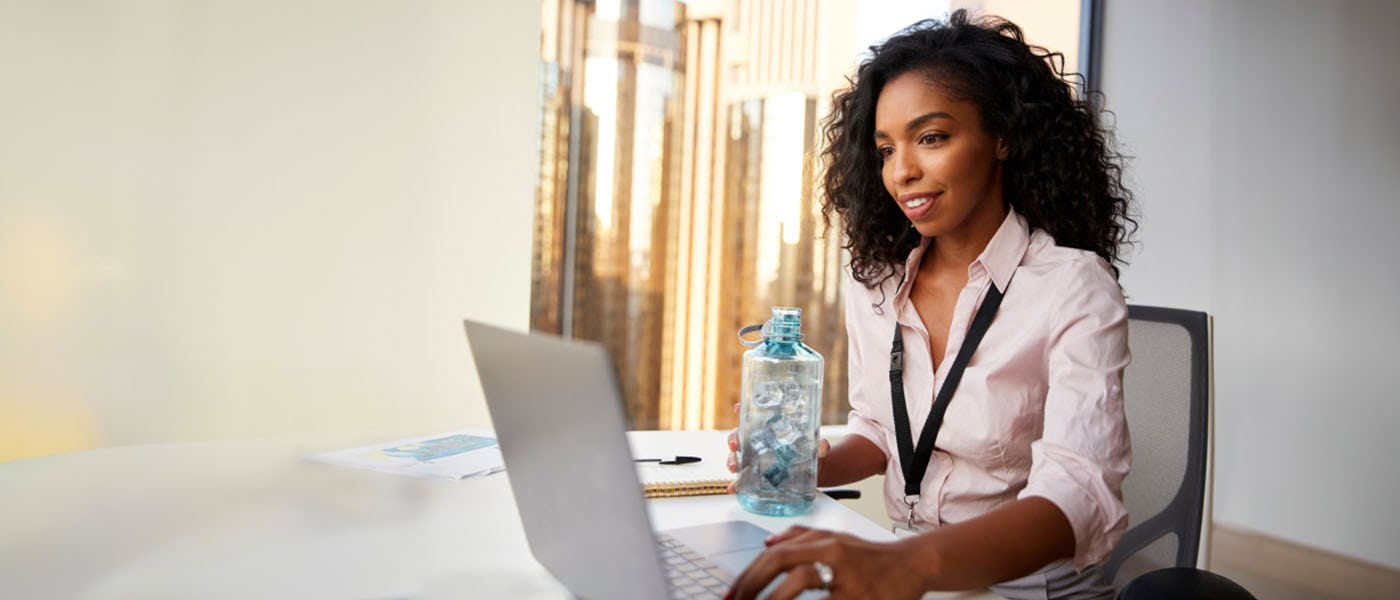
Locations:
(677, 199)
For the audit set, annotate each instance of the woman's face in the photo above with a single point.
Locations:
(939, 165)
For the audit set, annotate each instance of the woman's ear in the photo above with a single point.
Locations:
(1002, 150)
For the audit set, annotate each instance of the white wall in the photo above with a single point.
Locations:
(1267, 149)
(234, 218)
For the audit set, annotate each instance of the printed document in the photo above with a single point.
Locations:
(453, 455)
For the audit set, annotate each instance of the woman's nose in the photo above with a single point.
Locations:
(906, 169)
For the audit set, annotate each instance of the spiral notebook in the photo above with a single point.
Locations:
(696, 479)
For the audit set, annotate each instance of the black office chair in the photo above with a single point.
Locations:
(1167, 397)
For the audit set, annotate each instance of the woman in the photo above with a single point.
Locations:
(979, 198)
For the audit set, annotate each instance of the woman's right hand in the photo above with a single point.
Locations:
(733, 461)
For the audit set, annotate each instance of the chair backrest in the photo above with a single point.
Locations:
(1166, 394)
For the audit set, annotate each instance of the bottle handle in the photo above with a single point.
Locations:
(761, 328)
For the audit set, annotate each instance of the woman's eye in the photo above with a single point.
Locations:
(931, 138)
(885, 151)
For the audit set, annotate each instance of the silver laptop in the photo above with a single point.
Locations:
(559, 419)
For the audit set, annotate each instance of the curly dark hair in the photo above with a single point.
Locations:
(1061, 172)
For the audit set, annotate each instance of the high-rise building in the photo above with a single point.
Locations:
(677, 197)
(756, 75)
(611, 70)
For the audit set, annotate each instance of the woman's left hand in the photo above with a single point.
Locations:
(859, 568)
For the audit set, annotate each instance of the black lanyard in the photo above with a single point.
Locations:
(914, 461)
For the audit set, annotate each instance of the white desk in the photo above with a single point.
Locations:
(252, 519)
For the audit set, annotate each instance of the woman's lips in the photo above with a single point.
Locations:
(915, 213)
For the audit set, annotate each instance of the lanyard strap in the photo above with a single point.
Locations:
(914, 461)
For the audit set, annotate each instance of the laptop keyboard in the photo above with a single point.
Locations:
(691, 575)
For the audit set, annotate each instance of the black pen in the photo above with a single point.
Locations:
(677, 460)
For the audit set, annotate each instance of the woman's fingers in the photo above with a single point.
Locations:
(799, 578)
(767, 567)
(859, 569)
(733, 461)
(800, 547)
(823, 447)
(789, 533)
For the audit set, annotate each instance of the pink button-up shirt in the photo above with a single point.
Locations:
(1039, 411)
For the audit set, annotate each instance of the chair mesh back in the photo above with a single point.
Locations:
(1155, 388)
(1164, 395)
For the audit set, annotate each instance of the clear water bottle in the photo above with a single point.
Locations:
(780, 411)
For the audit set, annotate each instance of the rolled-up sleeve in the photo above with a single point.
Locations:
(1084, 453)
(860, 421)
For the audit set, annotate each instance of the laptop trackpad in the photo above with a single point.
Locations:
(734, 563)
(731, 545)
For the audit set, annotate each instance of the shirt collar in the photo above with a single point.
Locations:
(911, 266)
(1005, 250)
(999, 259)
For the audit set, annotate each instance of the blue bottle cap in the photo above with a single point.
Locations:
(785, 323)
